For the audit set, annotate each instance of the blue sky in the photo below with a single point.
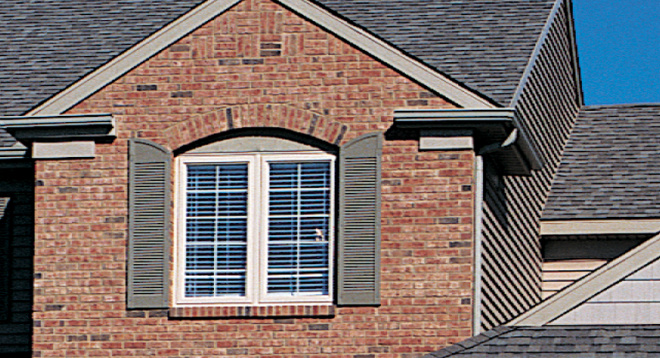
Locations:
(619, 50)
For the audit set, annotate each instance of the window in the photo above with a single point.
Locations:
(254, 223)
(255, 228)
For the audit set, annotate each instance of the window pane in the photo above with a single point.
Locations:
(299, 214)
(312, 174)
(211, 177)
(212, 229)
(216, 230)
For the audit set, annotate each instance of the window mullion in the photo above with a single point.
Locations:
(298, 221)
(215, 231)
(260, 213)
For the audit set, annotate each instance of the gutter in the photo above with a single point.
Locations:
(59, 136)
(71, 127)
(494, 131)
(478, 238)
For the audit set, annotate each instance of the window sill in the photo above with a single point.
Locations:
(252, 311)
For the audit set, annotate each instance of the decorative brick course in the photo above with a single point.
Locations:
(253, 312)
(223, 76)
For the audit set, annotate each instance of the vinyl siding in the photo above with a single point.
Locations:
(634, 300)
(547, 108)
(17, 240)
(559, 274)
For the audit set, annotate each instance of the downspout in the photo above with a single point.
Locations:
(478, 227)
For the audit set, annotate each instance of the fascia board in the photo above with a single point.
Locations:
(139, 53)
(591, 285)
(494, 114)
(600, 227)
(26, 128)
(56, 121)
(134, 56)
(574, 52)
(499, 122)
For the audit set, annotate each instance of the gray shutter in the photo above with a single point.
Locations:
(149, 221)
(4, 258)
(358, 281)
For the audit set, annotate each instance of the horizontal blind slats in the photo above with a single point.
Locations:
(216, 230)
(298, 250)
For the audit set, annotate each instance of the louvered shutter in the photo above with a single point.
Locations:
(358, 281)
(4, 259)
(149, 221)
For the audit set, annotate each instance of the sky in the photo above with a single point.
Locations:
(619, 49)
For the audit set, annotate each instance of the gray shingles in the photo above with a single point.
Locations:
(484, 44)
(563, 341)
(609, 169)
(49, 44)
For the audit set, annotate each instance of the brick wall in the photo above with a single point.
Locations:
(257, 65)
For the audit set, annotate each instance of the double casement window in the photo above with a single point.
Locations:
(257, 221)
(255, 228)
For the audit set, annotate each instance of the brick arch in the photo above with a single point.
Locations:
(255, 116)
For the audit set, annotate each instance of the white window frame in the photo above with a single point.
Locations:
(257, 228)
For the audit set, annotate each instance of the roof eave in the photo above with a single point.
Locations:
(66, 128)
(579, 227)
(59, 128)
(494, 132)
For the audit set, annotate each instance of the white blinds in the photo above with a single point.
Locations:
(216, 230)
(298, 224)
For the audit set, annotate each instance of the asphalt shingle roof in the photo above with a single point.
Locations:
(611, 166)
(635, 341)
(484, 44)
(48, 45)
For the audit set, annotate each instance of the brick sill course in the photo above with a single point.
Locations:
(252, 311)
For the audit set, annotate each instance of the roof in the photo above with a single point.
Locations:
(50, 44)
(609, 169)
(559, 341)
(485, 44)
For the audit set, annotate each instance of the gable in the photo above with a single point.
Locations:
(381, 50)
(256, 59)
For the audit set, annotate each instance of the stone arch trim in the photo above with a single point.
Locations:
(254, 116)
